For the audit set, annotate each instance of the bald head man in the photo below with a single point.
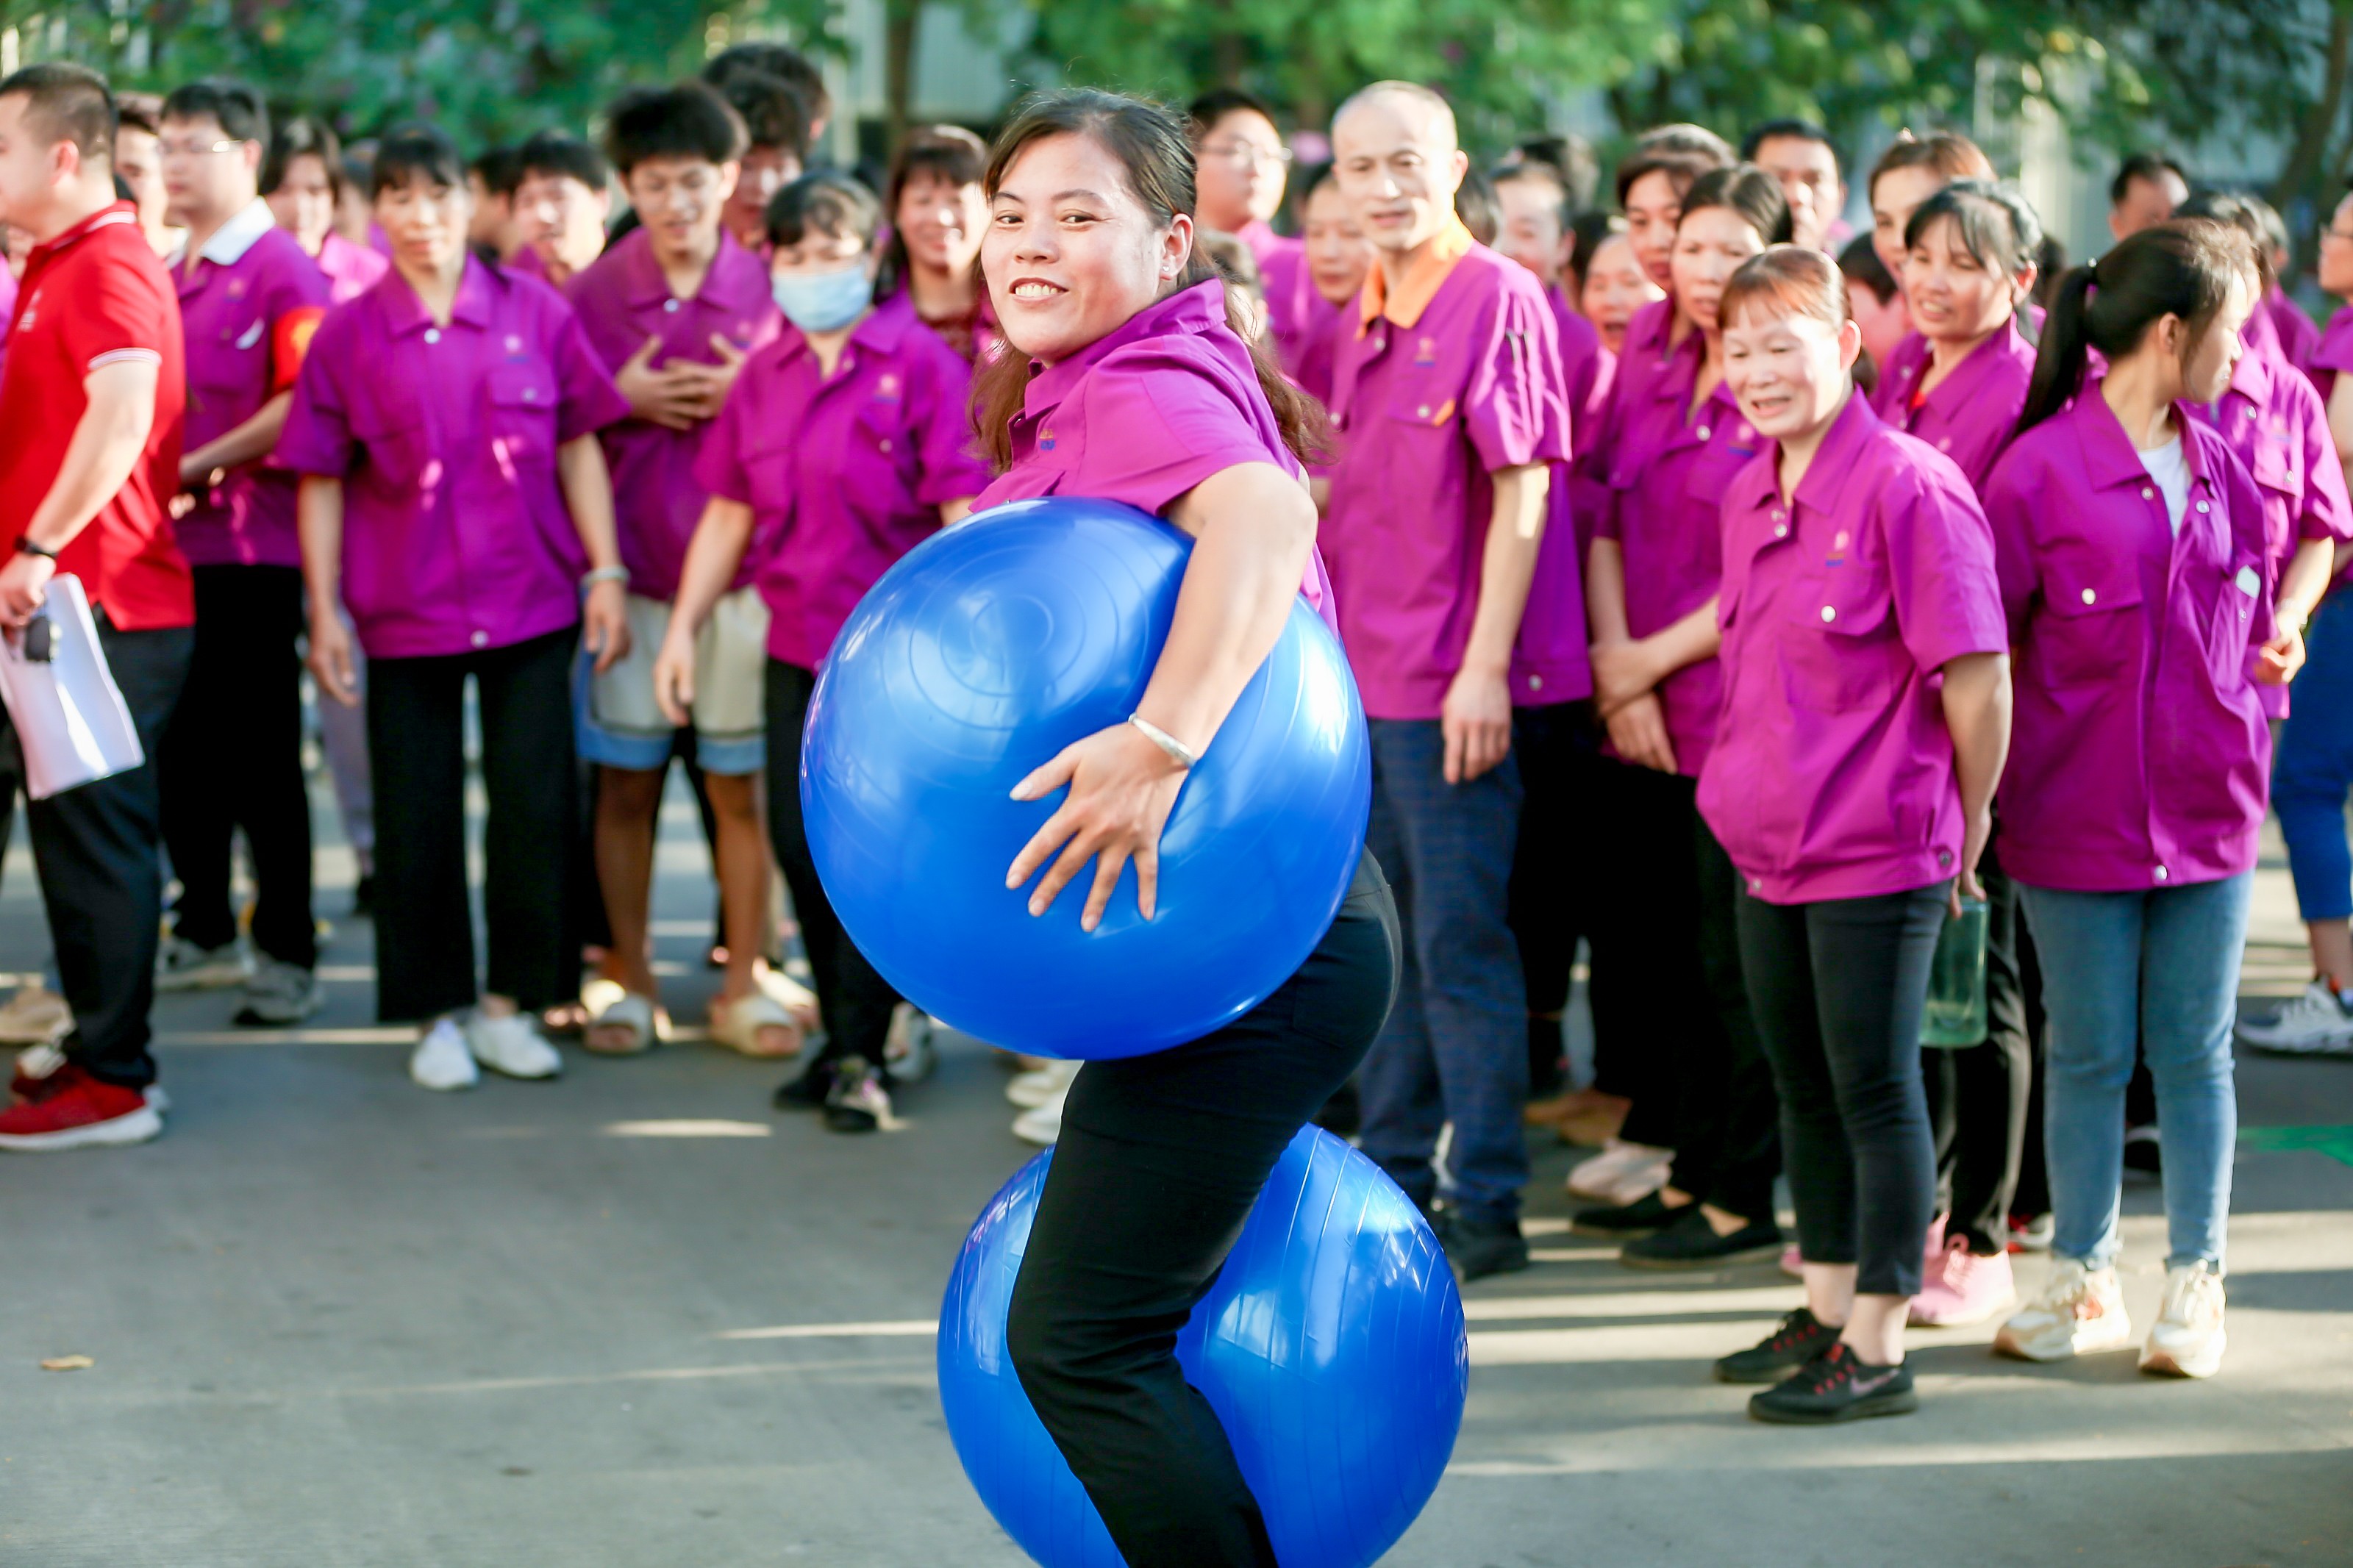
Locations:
(1396, 156)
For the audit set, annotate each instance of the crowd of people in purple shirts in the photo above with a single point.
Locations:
(1735, 602)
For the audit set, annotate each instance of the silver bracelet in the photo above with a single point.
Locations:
(1178, 751)
(607, 575)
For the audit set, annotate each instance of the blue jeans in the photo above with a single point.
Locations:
(2312, 771)
(2165, 965)
(1455, 1047)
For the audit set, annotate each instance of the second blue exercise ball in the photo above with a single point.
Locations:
(1332, 1348)
(974, 660)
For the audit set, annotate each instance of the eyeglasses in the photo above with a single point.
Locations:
(1247, 153)
(197, 148)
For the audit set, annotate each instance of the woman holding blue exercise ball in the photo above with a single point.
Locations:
(1125, 378)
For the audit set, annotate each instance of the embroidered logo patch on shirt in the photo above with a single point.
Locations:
(886, 388)
(1045, 440)
(1838, 549)
(1426, 352)
(514, 347)
(237, 288)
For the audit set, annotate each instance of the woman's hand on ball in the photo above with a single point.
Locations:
(1122, 788)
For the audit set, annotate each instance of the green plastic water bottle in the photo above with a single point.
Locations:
(1955, 1013)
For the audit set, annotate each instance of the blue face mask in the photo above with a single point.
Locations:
(823, 302)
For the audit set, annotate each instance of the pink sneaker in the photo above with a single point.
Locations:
(1962, 1287)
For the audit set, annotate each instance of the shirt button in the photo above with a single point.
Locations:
(2147, 493)
(1829, 613)
(1782, 531)
(1754, 884)
(1422, 412)
(1535, 683)
(2160, 873)
(1944, 857)
(1705, 432)
(2089, 596)
(2201, 506)
(531, 394)
(1943, 443)
(432, 334)
(886, 443)
(481, 639)
(670, 306)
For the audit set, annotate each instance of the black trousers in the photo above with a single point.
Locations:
(1838, 989)
(1160, 1159)
(1646, 945)
(857, 1001)
(1549, 909)
(1979, 1095)
(417, 754)
(99, 850)
(233, 759)
(1727, 1138)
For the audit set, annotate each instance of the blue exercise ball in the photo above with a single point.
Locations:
(976, 659)
(1332, 1348)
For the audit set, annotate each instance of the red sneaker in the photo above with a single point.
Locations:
(74, 1110)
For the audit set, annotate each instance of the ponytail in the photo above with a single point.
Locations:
(2063, 350)
(1157, 154)
(2185, 269)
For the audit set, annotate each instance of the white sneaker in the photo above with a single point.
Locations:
(2188, 1340)
(441, 1060)
(278, 994)
(511, 1044)
(2313, 1024)
(910, 1052)
(1622, 1172)
(2081, 1311)
(1033, 1088)
(1041, 1125)
(184, 967)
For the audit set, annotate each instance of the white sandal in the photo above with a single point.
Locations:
(642, 1016)
(737, 1025)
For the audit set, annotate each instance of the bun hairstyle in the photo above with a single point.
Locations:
(1786, 280)
(1992, 220)
(1747, 190)
(2184, 268)
(1155, 151)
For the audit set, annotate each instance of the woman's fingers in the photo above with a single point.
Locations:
(1107, 868)
(1073, 860)
(1147, 881)
(674, 689)
(1040, 847)
(1045, 781)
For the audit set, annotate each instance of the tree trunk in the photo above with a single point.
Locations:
(2315, 136)
(900, 19)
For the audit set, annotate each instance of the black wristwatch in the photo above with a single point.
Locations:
(25, 546)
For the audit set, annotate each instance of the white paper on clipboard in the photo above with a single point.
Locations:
(71, 722)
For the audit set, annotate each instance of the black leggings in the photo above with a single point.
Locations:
(855, 1000)
(1160, 1159)
(1838, 988)
(416, 758)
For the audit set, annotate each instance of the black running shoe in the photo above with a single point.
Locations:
(860, 1100)
(1799, 1339)
(1837, 1385)
(809, 1090)
(1690, 1242)
(1624, 1222)
(1478, 1247)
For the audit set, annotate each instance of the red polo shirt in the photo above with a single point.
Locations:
(97, 295)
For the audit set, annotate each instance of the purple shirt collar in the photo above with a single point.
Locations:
(1200, 309)
(736, 282)
(1834, 460)
(2109, 456)
(403, 312)
(1953, 394)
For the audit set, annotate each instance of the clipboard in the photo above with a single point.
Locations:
(71, 722)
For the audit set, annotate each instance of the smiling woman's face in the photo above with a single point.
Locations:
(1071, 253)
